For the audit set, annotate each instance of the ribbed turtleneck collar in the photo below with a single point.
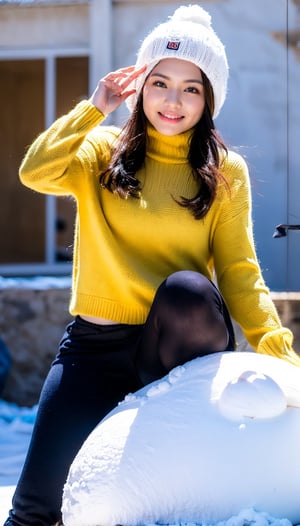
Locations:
(168, 149)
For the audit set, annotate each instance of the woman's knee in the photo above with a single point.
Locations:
(186, 281)
(187, 291)
(192, 318)
(188, 318)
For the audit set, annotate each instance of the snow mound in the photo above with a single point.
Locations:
(215, 437)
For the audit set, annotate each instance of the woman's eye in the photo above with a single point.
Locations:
(159, 84)
(191, 89)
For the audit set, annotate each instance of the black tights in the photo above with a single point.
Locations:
(188, 318)
(96, 367)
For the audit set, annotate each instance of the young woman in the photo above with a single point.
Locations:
(162, 208)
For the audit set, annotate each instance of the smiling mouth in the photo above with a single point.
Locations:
(169, 117)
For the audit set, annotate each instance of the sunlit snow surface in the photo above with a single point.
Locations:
(214, 437)
(16, 426)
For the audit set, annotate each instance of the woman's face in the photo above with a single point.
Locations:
(173, 96)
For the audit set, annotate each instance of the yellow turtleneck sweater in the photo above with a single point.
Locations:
(123, 249)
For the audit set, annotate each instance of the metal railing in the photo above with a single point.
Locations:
(282, 230)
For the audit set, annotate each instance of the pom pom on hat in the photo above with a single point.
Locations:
(187, 35)
(192, 13)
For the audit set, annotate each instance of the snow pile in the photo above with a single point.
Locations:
(36, 282)
(215, 441)
(258, 451)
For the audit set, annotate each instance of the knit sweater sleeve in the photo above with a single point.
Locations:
(70, 149)
(238, 272)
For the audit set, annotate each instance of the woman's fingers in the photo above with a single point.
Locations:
(112, 90)
(132, 76)
(124, 76)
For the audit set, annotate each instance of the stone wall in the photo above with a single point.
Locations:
(32, 321)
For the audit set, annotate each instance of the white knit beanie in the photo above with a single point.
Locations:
(187, 35)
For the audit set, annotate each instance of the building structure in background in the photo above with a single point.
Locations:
(52, 53)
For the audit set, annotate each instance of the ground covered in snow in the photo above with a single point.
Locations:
(15, 431)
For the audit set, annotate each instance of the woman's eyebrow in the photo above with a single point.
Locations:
(198, 81)
(157, 74)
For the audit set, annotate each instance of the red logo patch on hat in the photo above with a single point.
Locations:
(173, 44)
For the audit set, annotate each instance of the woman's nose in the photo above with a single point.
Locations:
(173, 97)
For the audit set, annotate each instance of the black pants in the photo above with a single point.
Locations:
(96, 367)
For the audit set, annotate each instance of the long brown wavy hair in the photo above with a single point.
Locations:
(204, 157)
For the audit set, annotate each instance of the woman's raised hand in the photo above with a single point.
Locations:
(111, 91)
